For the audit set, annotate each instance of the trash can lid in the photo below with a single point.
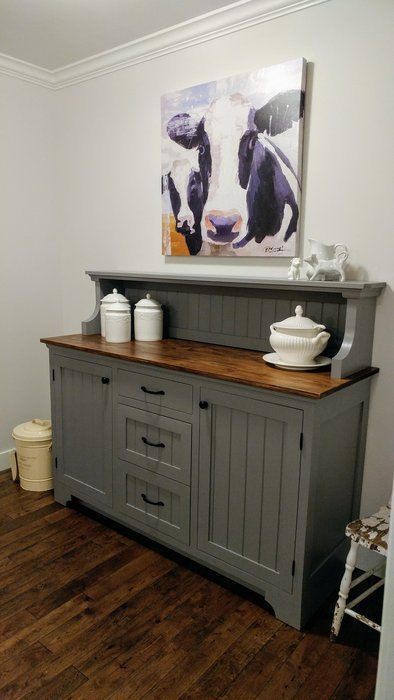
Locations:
(36, 429)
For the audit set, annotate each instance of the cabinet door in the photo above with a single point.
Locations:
(83, 405)
(248, 487)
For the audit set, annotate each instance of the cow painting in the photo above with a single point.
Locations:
(231, 177)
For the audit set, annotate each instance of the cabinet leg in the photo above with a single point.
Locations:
(344, 591)
(285, 607)
(62, 494)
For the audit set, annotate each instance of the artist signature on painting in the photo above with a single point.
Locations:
(273, 249)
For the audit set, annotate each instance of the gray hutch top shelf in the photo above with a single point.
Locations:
(345, 288)
(238, 312)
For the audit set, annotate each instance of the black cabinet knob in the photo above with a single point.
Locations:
(204, 404)
(105, 380)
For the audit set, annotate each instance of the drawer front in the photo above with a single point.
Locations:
(157, 443)
(154, 391)
(156, 503)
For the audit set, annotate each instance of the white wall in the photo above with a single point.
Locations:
(110, 169)
(30, 292)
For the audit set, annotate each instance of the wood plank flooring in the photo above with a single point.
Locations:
(87, 611)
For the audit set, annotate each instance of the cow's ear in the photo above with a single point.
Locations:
(245, 156)
(280, 112)
(185, 130)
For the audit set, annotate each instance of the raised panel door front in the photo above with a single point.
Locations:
(155, 442)
(83, 397)
(156, 503)
(248, 484)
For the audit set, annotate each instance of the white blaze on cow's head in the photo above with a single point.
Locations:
(225, 212)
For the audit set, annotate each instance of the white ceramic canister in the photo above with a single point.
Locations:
(118, 323)
(106, 302)
(33, 442)
(148, 319)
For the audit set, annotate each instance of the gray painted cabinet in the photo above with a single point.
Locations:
(256, 485)
(83, 419)
(248, 484)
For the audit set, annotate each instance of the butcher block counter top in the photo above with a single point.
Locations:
(214, 361)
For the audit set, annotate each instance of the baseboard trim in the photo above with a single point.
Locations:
(5, 462)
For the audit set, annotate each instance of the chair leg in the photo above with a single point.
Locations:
(344, 591)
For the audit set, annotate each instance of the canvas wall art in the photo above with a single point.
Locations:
(231, 164)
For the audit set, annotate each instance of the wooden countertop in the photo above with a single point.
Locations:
(214, 361)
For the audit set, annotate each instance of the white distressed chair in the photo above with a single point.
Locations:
(371, 533)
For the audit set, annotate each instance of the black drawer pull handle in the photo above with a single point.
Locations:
(152, 503)
(204, 404)
(105, 380)
(148, 391)
(152, 444)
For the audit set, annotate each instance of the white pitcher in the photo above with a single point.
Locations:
(326, 251)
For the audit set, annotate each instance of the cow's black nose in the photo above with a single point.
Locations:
(223, 226)
(224, 220)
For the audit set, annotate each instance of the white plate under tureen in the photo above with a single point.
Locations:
(272, 358)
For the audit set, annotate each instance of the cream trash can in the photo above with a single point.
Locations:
(33, 448)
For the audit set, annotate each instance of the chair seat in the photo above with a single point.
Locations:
(372, 532)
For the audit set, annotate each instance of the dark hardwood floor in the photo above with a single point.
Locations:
(90, 612)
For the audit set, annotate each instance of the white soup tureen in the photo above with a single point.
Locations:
(298, 340)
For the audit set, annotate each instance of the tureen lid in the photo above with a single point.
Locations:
(114, 297)
(299, 321)
(148, 303)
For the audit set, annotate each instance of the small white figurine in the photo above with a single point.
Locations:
(294, 271)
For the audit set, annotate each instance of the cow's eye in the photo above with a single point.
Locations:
(201, 150)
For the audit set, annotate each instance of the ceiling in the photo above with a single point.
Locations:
(55, 33)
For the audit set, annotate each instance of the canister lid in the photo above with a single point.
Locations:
(114, 297)
(299, 322)
(34, 430)
(118, 306)
(148, 303)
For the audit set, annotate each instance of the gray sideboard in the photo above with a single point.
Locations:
(255, 483)
(196, 443)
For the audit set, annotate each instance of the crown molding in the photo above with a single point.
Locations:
(232, 18)
(15, 68)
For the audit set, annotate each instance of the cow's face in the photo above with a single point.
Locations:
(239, 188)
